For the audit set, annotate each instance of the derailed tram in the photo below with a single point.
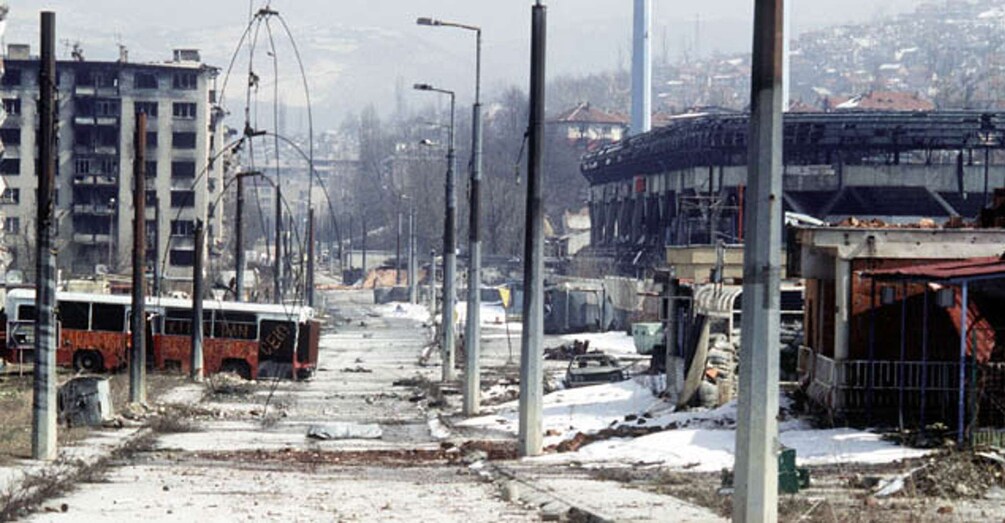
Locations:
(252, 340)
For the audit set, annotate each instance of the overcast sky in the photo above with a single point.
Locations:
(358, 50)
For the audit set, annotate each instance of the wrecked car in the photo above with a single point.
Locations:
(593, 368)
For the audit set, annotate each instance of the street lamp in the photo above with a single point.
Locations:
(449, 242)
(111, 231)
(472, 332)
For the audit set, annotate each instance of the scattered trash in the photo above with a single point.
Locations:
(357, 369)
(345, 431)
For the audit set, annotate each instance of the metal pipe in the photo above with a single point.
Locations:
(197, 295)
(413, 283)
(277, 270)
(531, 355)
(309, 277)
(963, 363)
(642, 71)
(397, 252)
(755, 497)
(43, 420)
(137, 363)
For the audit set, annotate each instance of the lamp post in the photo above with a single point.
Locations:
(111, 231)
(449, 243)
(472, 331)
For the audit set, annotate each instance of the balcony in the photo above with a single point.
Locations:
(96, 180)
(110, 150)
(92, 209)
(92, 239)
(182, 243)
(111, 121)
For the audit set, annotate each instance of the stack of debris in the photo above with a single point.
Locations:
(567, 351)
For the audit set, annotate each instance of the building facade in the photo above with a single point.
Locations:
(97, 107)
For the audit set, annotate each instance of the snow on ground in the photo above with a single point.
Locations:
(584, 409)
(491, 314)
(700, 440)
(614, 342)
(419, 313)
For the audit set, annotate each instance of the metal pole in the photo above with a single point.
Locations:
(473, 328)
(43, 419)
(157, 246)
(642, 71)
(756, 494)
(397, 252)
(350, 242)
(363, 240)
(450, 256)
(197, 294)
(531, 355)
(277, 266)
(309, 278)
(239, 242)
(413, 283)
(138, 363)
(964, 304)
(432, 282)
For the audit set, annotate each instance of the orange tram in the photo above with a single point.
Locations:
(253, 340)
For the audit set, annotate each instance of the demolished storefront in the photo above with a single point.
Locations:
(884, 311)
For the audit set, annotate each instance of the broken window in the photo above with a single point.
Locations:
(182, 227)
(12, 106)
(10, 166)
(74, 314)
(183, 140)
(10, 136)
(12, 225)
(183, 169)
(182, 258)
(109, 317)
(10, 196)
(147, 108)
(182, 199)
(11, 78)
(243, 326)
(187, 81)
(184, 110)
(145, 81)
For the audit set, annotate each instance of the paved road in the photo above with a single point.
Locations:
(252, 462)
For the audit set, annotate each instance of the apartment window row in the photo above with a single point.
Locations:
(182, 227)
(183, 140)
(184, 110)
(182, 199)
(145, 81)
(148, 108)
(186, 81)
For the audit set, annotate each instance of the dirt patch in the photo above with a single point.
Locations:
(957, 475)
(396, 457)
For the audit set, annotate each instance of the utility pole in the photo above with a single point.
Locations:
(413, 283)
(239, 241)
(756, 494)
(397, 252)
(138, 361)
(432, 283)
(473, 328)
(157, 246)
(277, 269)
(350, 243)
(197, 293)
(43, 419)
(531, 355)
(642, 67)
(363, 220)
(309, 277)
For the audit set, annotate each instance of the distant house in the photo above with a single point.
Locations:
(588, 127)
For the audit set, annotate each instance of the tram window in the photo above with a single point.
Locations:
(237, 325)
(109, 317)
(26, 312)
(74, 314)
(178, 322)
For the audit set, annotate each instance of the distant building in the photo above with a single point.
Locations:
(98, 104)
(588, 127)
(884, 101)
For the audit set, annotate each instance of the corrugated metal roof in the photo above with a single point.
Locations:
(945, 270)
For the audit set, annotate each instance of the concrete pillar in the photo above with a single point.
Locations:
(842, 303)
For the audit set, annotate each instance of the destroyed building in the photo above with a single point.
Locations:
(98, 104)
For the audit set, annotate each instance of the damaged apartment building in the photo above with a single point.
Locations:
(97, 106)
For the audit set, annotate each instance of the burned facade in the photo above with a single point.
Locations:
(98, 104)
(682, 184)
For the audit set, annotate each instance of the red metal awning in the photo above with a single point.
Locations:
(972, 268)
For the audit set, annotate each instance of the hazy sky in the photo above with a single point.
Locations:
(358, 50)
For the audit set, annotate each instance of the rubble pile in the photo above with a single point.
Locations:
(567, 351)
(959, 475)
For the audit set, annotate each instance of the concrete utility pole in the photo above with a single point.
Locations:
(432, 282)
(756, 494)
(531, 355)
(397, 252)
(309, 277)
(239, 241)
(277, 269)
(642, 68)
(157, 246)
(413, 280)
(138, 361)
(197, 294)
(449, 243)
(43, 415)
